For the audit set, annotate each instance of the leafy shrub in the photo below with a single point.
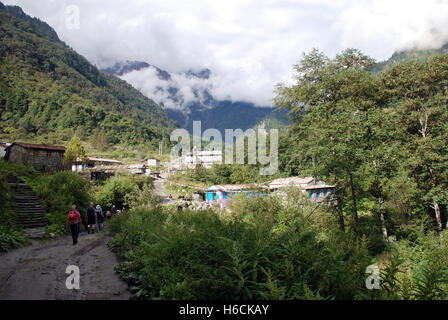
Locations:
(57, 193)
(11, 239)
(202, 255)
(417, 269)
(123, 190)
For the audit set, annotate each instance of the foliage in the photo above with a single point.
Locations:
(380, 138)
(11, 239)
(416, 270)
(261, 253)
(75, 151)
(125, 190)
(49, 92)
(58, 192)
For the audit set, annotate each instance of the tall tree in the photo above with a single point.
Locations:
(75, 151)
(418, 90)
(327, 104)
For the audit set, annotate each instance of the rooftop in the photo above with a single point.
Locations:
(39, 147)
(233, 187)
(308, 183)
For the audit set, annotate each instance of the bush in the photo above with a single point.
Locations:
(261, 253)
(11, 239)
(58, 193)
(417, 269)
(123, 190)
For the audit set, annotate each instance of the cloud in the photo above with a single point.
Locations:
(188, 89)
(249, 45)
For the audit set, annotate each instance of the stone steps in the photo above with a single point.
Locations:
(29, 210)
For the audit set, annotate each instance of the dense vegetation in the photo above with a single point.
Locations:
(381, 138)
(269, 249)
(266, 251)
(48, 92)
(57, 192)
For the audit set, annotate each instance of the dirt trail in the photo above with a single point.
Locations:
(37, 272)
(161, 191)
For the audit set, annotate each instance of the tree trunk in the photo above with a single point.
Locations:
(339, 204)
(383, 226)
(355, 208)
(437, 214)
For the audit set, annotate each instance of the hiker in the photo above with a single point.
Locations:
(113, 211)
(74, 220)
(99, 218)
(108, 215)
(91, 218)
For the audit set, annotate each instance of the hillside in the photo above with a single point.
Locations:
(411, 54)
(48, 91)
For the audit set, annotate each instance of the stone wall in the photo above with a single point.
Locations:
(43, 160)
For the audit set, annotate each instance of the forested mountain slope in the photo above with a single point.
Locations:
(49, 91)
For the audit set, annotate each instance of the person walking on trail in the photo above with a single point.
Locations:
(99, 217)
(74, 220)
(113, 211)
(91, 218)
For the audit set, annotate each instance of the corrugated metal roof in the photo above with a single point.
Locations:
(308, 183)
(318, 186)
(39, 146)
(232, 187)
(293, 181)
(103, 160)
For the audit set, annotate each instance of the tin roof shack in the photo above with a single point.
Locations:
(318, 191)
(138, 169)
(222, 194)
(41, 157)
(93, 162)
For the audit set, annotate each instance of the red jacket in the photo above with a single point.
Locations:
(73, 217)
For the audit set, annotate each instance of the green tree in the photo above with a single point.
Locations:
(328, 105)
(75, 150)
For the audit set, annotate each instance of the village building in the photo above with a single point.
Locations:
(41, 157)
(153, 162)
(317, 191)
(203, 158)
(222, 194)
(93, 162)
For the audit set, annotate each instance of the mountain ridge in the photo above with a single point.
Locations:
(48, 90)
(202, 106)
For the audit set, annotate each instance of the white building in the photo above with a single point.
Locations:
(317, 191)
(204, 158)
(153, 162)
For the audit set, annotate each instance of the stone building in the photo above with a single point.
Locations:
(41, 157)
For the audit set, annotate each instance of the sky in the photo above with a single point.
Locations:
(249, 46)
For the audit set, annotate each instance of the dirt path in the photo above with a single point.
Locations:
(160, 190)
(37, 272)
